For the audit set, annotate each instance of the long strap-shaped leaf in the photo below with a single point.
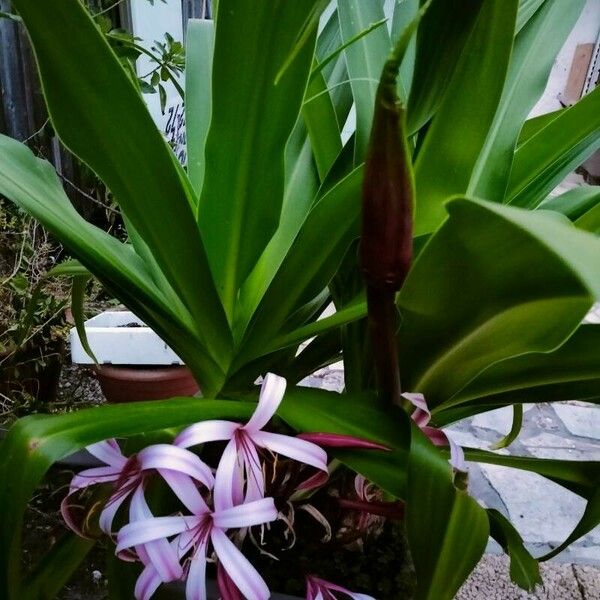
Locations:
(572, 371)
(198, 95)
(467, 304)
(310, 263)
(101, 117)
(548, 156)
(441, 41)
(524, 569)
(447, 529)
(535, 49)
(243, 185)
(364, 59)
(33, 185)
(581, 205)
(456, 137)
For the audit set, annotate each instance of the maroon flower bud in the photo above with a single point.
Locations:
(388, 192)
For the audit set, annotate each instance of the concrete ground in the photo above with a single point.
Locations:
(562, 581)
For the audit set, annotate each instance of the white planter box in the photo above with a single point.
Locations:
(114, 343)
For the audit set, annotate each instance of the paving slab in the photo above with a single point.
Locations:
(549, 445)
(491, 581)
(583, 421)
(589, 581)
(542, 511)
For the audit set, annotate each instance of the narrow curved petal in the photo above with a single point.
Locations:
(228, 470)
(246, 515)
(340, 440)
(292, 447)
(166, 456)
(185, 489)
(109, 512)
(159, 552)
(147, 584)
(440, 438)
(421, 416)
(227, 588)
(457, 455)
(108, 452)
(252, 469)
(195, 588)
(245, 577)
(147, 530)
(206, 431)
(94, 476)
(323, 585)
(271, 395)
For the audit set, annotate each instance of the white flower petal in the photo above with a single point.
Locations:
(271, 395)
(292, 447)
(206, 431)
(238, 567)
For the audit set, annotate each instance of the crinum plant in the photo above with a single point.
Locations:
(233, 259)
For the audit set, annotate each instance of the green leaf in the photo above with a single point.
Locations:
(547, 157)
(57, 567)
(574, 203)
(404, 12)
(580, 204)
(310, 263)
(441, 40)
(365, 58)
(447, 529)
(335, 53)
(571, 371)
(32, 184)
(321, 122)
(448, 158)
(77, 308)
(243, 186)
(301, 188)
(10, 16)
(116, 137)
(198, 91)
(456, 327)
(515, 429)
(534, 52)
(589, 520)
(535, 124)
(527, 8)
(578, 476)
(524, 569)
(68, 268)
(353, 312)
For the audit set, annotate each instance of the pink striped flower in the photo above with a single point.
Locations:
(177, 466)
(319, 589)
(421, 416)
(192, 535)
(242, 478)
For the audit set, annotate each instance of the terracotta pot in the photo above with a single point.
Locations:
(134, 384)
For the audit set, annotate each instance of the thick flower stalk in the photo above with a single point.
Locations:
(319, 589)
(387, 224)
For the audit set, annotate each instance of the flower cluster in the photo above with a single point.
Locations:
(216, 505)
